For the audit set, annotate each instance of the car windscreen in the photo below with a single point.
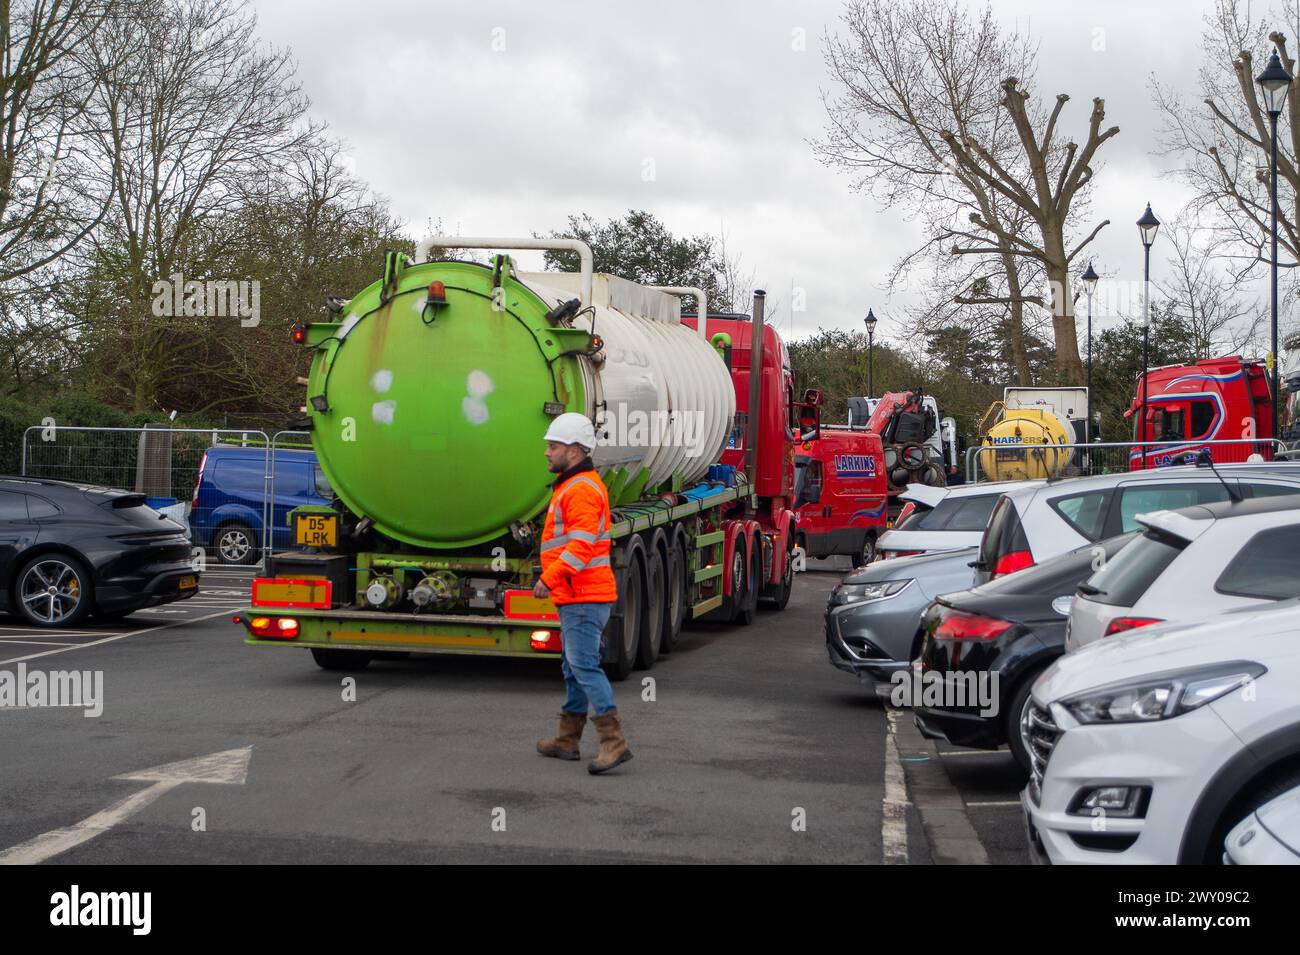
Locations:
(966, 513)
(1127, 575)
(1267, 568)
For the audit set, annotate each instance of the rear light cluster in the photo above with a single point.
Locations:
(887, 554)
(198, 480)
(546, 641)
(1012, 562)
(1120, 624)
(970, 626)
(905, 513)
(274, 628)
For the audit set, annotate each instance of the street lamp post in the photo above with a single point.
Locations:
(870, 322)
(1089, 286)
(1148, 226)
(1273, 83)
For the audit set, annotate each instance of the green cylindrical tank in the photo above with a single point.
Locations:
(428, 418)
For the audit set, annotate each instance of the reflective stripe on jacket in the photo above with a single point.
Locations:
(576, 542)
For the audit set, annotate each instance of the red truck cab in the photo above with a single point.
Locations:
(842, 492)
(1216, 399)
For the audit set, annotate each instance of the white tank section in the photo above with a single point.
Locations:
(662, 398)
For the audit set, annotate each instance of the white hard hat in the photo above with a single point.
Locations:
(572, 428)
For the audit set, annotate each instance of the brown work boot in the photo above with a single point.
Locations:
(565, 744)
(613, 746)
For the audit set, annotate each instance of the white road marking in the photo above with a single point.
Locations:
(893, 817)
(116, 636)
(991, 804)
(975, 752)
(226, 768)
(39, 643)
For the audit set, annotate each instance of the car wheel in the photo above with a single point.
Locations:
(236, 544)
(1015, 713)
(54, 590)
(1269, 789)
(867, 554)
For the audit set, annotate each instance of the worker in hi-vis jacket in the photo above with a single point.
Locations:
(578, 577)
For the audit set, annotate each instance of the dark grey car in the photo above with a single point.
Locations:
(873, 619)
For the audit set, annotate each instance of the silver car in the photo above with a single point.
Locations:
(873, 619)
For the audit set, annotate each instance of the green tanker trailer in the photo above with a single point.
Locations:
(427, 399)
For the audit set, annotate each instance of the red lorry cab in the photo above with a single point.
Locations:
(840, 480)
(1216, 399)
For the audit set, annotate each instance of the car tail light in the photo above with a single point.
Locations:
(1012, 562)
(545, 641)
(887, 554)
(970, 626)
(194, 504)
(1120, 624)
(905, 513)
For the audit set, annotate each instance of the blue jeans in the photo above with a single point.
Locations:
(581, 625)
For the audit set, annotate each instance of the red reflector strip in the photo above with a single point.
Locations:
(522, 604)
(285, 592)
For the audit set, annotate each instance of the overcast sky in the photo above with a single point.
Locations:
(504, 118)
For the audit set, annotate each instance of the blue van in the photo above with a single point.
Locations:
(226, 512)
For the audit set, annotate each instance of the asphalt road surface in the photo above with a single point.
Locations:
(749, 747)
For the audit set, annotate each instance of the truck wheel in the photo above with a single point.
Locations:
(675, 600)
(652, 625)
(624, 631)
(747, 601)
(781, 596)
(340, 659)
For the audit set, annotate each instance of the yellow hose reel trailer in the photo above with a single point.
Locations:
(1041, 429)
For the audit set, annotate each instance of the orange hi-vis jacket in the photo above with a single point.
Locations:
(576, 542)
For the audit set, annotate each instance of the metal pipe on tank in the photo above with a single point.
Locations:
(701, 304)
(755, 386)
(585, 258)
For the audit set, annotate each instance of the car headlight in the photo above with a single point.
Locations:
(861, 593)
(1161, 696)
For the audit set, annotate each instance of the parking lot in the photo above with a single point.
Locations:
(748, 745)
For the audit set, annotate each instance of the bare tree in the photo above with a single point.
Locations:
(1045, 188)
(48, 200)
(1225, 139)
(907, 75)
(1218, 319)
(198, 116)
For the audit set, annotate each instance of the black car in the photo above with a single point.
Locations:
(1010, 628)
(70, 550)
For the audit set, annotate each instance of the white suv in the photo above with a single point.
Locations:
(1192, 564)
(1149, 747)
(1033, 524)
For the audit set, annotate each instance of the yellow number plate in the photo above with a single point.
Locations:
(188, 582)
(315, 530)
